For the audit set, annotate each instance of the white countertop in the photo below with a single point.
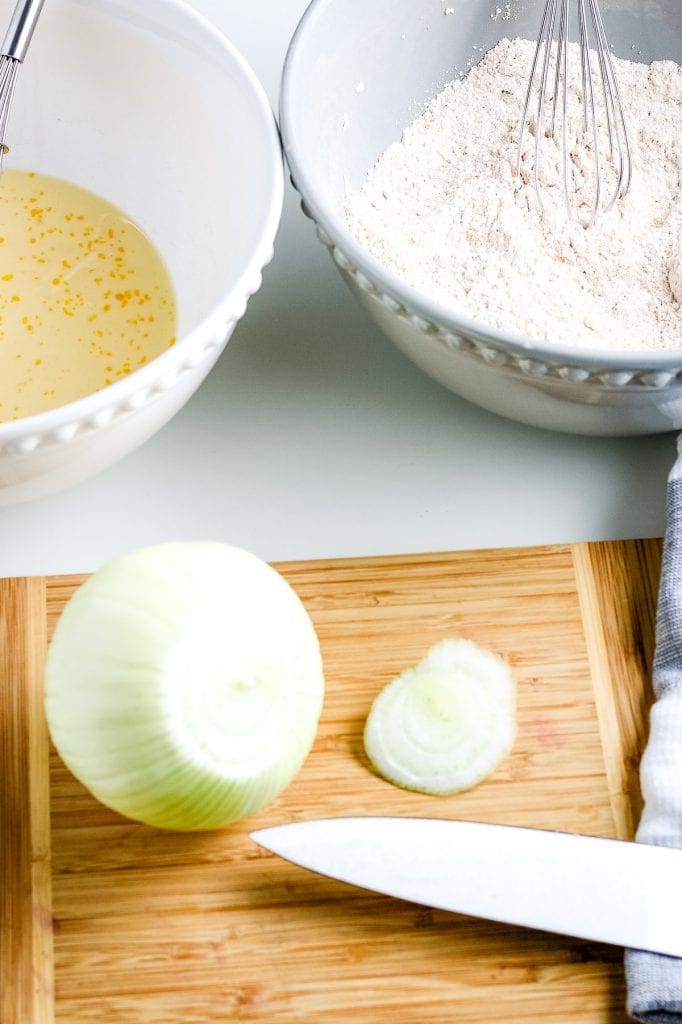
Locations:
(317, 438)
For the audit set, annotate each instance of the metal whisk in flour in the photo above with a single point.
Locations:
(445, 211)
(602, 124)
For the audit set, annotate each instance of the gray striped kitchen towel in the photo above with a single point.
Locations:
(654, 982)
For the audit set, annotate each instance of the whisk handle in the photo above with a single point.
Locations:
(21, 28)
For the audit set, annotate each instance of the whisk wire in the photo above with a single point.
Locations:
(559, 65)
(563, 59)
(529, 90)
(14, 48)
(589, 105)
(552, 7)
(614, 107)
(8, 79)
(553, 44)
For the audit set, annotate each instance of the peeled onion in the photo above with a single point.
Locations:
(184, 684)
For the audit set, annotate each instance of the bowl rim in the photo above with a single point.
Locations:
(442, 317)
(226, 312)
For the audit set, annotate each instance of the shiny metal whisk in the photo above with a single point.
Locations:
(553, 88)
(14, 49)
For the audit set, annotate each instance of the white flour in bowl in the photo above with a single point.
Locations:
(444, 210)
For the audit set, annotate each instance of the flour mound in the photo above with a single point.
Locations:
(445, 211)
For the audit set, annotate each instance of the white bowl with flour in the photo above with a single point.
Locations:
(533, 318)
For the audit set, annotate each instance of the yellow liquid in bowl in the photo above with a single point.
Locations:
(85, 297)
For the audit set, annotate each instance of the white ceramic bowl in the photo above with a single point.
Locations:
(148, 105)
(356, 74)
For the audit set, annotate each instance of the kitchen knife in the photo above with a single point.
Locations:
(606, 890)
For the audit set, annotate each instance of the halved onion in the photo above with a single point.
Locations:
(184, 684)
(444, 725)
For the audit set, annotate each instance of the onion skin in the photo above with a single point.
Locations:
(184, 685)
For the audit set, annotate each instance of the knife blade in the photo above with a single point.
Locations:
(606, 890)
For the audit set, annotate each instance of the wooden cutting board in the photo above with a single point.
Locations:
(103, 919)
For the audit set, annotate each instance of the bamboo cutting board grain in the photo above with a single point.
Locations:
(105, 919)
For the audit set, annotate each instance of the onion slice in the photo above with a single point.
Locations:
(184, 684)
(444, 725)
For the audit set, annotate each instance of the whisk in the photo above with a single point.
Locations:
(554, 88)
(14, 49)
